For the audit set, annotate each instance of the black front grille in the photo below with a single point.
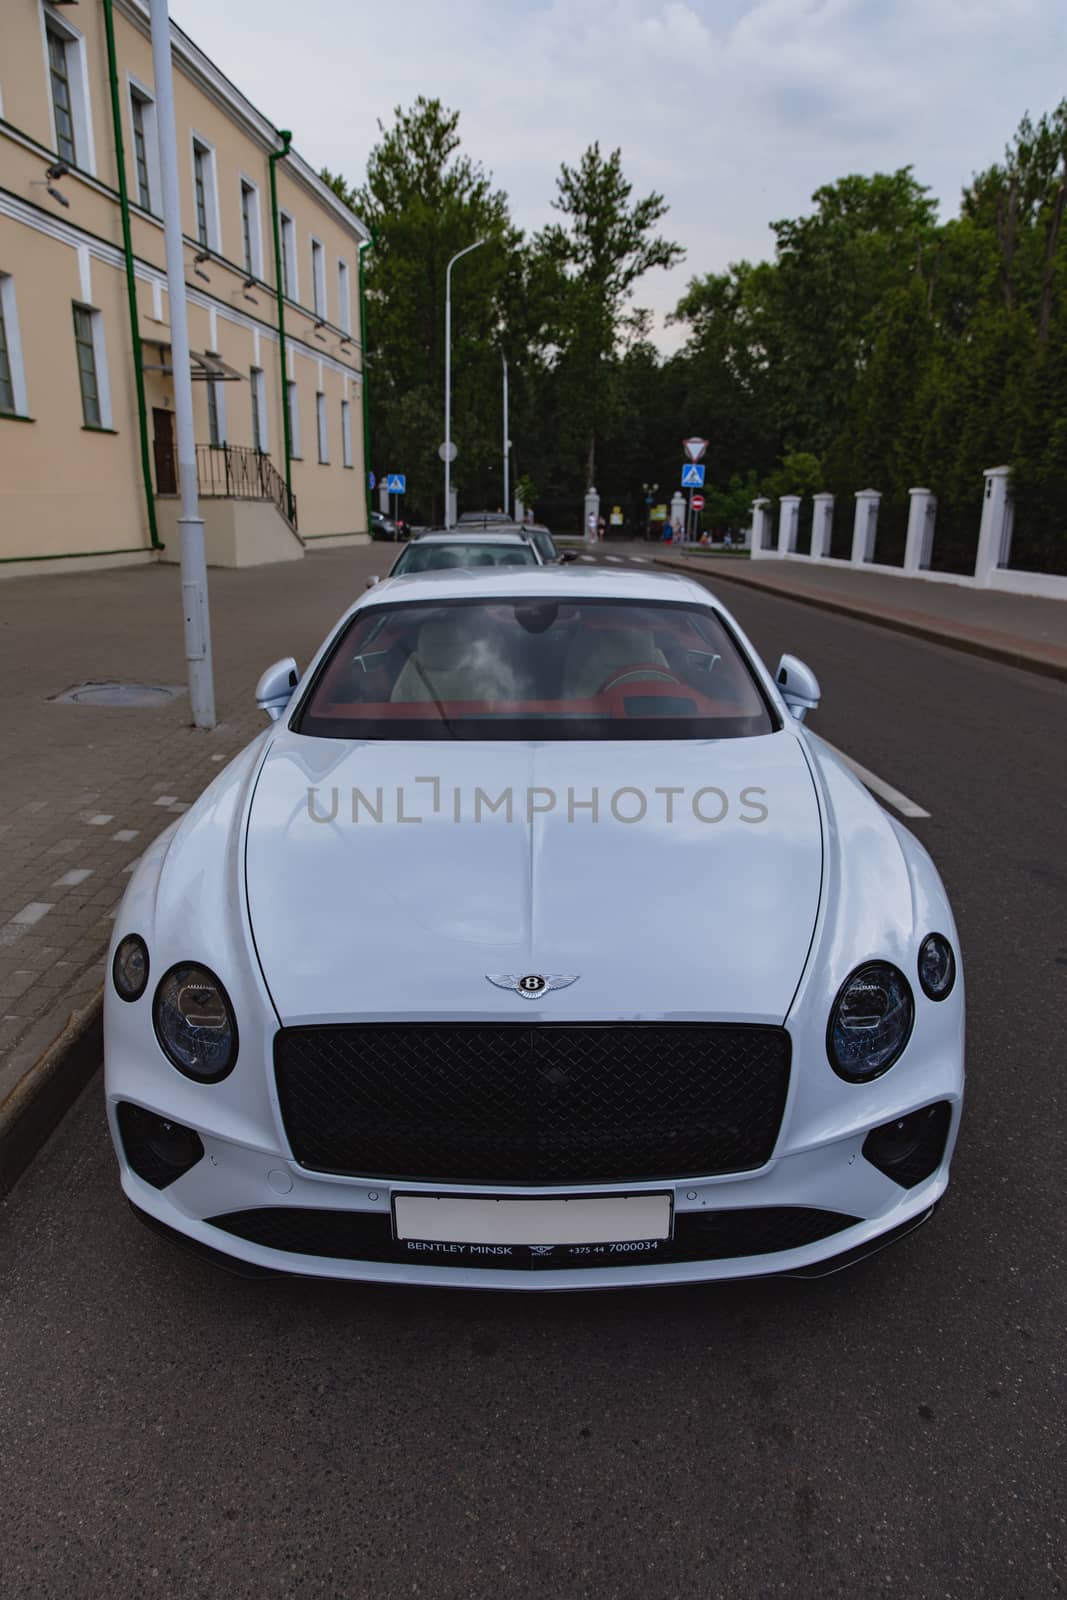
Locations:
(507, 1103)
(698, 1236)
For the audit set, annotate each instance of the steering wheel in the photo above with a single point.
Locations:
(647, 671)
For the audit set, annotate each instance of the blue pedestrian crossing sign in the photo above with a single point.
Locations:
(397, 483)
(693, 476)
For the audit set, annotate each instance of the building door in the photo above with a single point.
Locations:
(163, 447)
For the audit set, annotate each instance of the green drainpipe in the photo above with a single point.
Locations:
(131, 279)
(368, 244)
(286, 137)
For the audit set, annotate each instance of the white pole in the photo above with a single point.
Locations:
(448, 376)
(194, 565)
(507, 441)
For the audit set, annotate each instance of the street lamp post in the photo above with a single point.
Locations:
(190, 523)
(507, 441)
(448, 377)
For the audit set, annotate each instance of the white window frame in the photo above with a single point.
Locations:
(287, 231)
(259, 408)
(255, 232)
(14, 346)
(78, 79)
(344, 297)
(322, 428)
(292, 400)
(198, 144)
(346, 433)
(318, 277)
(137, 92)
(103, 381)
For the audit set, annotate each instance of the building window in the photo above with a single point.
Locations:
(62, 103)
(7, 382)
(253, 258)
(205, 195)
(12, 376)
(318, 277)
(290, 286)
(259, 411)
(216, 414)
(145, 146)
(322, 428)
(346, 433)
(92, 367)
(69, 93)
(344, 307)
(293, 402)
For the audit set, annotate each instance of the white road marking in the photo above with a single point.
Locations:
(218, 758)
(616, 559)
(75, 875)
(132, 864)
(124, 835)
(878, 786)
(24, 920)
(101, 820)
(165, 800)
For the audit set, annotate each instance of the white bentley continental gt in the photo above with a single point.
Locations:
(535, 943)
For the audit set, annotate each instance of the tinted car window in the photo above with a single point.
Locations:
(546, 546)
(534, 668)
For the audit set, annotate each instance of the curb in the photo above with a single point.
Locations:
(1002, 654)
(48, 1090)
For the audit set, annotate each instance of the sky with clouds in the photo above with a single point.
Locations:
(736, 110)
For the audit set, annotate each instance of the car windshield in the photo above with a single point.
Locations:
(464, 553)
(534, 668)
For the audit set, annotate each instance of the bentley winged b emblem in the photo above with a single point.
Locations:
(534, 984)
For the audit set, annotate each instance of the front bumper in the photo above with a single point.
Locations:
(258, 1212)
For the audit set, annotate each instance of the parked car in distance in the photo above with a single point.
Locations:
(474, 518)
(431, 552)
(381, 526)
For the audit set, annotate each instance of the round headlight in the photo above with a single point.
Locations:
(195, 1023)
(937, 967)
(870, 1022)
(129, 969)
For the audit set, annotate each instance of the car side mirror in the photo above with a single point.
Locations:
(371, 582)
(798, 686)
(275, 689)
(568, 555)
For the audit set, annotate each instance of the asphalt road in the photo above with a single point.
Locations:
(897, 1430)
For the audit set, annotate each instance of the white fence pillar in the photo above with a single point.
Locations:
(520, 510)
(591, 509)
(761, 529)
(679, 512)
(919, 544)
(994, 534)
(865, 526)
(822, 519)
(788, 522)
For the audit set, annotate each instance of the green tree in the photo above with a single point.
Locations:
(425, 199)
(593, 260)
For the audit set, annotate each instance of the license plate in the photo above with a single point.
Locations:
(580, 1220)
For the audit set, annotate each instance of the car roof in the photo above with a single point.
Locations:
(504, 535)
(599, 583)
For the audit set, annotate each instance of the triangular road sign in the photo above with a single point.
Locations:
(694, 448)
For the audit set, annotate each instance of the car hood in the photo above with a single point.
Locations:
(380, 882)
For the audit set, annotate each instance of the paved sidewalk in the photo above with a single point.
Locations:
(85, 789)
(1021, 630)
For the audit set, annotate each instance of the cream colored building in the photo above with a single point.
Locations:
(87, 463)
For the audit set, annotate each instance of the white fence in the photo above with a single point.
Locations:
(991, 570)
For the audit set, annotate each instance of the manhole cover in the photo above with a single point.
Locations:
(118, 694)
